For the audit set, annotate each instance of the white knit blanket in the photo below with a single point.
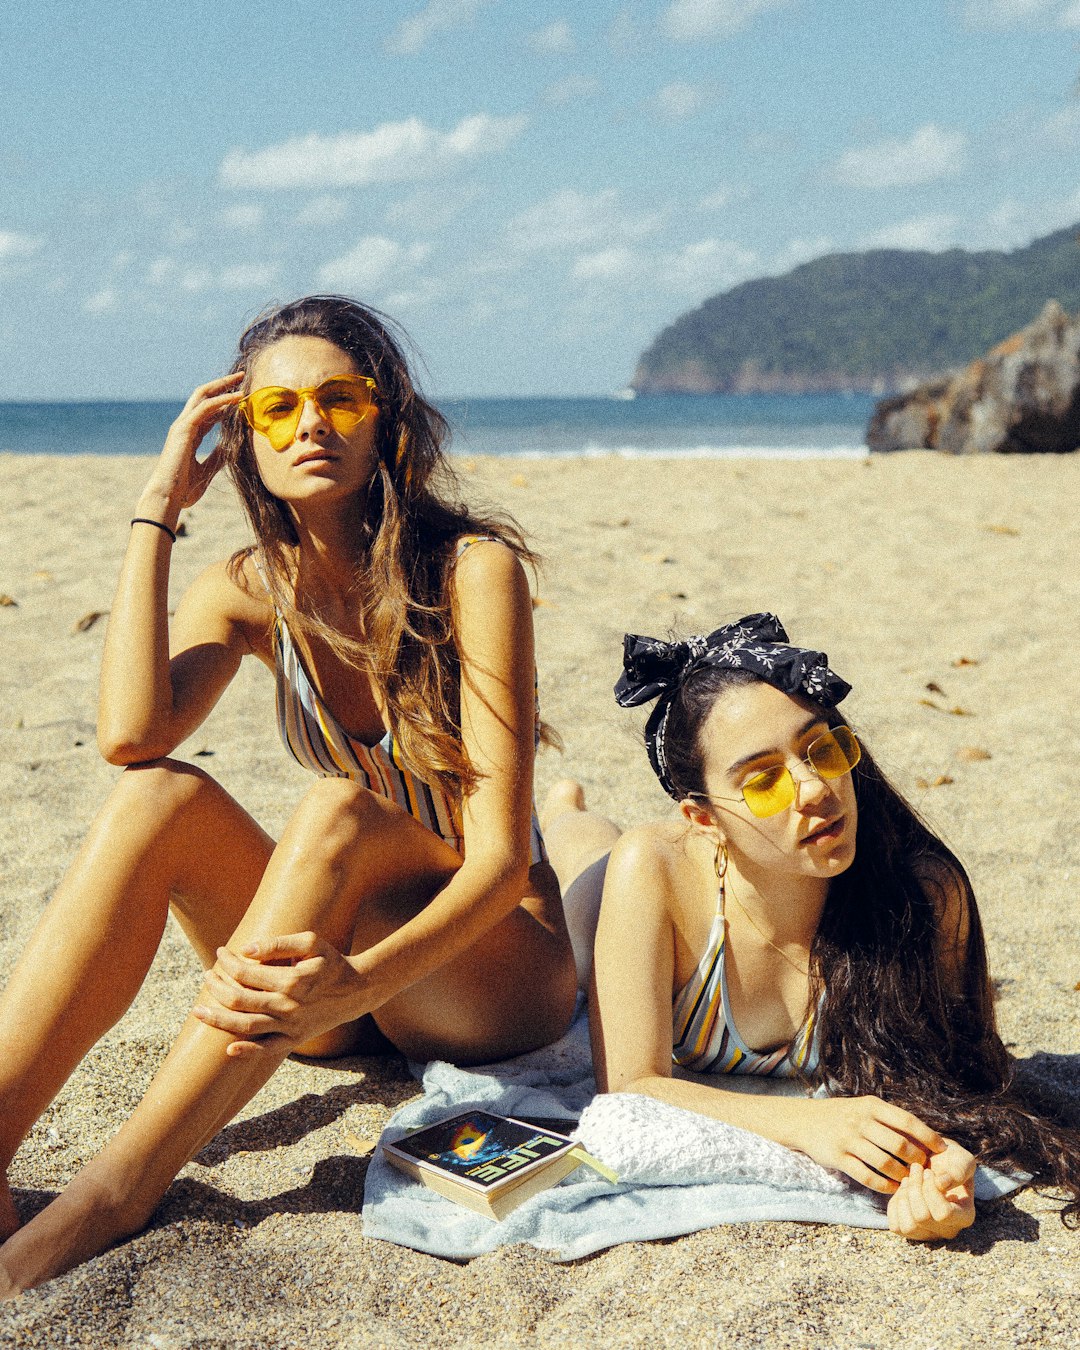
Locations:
(678, 1171)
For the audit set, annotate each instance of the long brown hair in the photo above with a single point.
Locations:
(889, 1022)
(405, 551)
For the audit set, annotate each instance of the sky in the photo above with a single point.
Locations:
(533, 190)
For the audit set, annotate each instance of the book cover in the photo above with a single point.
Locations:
(489, 1163)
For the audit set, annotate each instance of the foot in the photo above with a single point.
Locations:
(83, 1221)
(566, 795)
(9, 1215)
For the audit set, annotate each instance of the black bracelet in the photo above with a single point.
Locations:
(145, 520)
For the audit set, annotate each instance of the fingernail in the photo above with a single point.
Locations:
(200, 1011)
(252, 949)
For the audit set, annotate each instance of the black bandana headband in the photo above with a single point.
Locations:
(758, 643)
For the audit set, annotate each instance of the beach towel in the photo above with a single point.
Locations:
(678, 1171)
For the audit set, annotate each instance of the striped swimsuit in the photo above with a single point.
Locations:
(704, 1036)
(318, 742)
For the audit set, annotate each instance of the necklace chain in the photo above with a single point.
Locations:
(750, 919)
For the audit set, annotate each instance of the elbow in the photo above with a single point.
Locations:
(116, 747)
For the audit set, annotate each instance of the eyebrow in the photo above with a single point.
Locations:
(761, 754)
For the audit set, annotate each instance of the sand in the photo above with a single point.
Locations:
(946, 590)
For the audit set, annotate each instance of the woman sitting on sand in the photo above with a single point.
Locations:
(797, 920)
(411, 883)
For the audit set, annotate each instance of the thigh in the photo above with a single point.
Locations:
(214, 856)
(511, 991)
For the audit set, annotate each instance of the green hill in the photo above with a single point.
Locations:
(861, 321)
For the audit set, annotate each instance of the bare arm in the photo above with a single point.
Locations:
(493, 611)
(148, 703)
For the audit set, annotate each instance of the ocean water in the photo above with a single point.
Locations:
(757, 425)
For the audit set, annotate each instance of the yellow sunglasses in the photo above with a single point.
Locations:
(830, 755)
(344, 401)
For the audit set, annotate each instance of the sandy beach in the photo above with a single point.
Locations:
(946, 590)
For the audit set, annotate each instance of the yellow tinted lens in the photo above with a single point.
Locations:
(344, 402)
(835, 753)
(770, 792)
(274, 411)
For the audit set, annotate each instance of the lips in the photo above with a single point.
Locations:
(323, 456)
(824, 833)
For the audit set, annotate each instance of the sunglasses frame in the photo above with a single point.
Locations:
(792, 783)
(302, 396)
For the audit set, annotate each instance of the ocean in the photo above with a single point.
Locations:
(736, 425)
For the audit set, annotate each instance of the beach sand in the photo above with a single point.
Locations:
(946, 590)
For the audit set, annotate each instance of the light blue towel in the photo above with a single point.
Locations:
(680, 1172)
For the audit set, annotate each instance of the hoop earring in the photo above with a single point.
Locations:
(720, 860)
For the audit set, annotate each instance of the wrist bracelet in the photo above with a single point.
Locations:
(159, 524)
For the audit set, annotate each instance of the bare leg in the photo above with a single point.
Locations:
(166, 828)
(345, 852)
(578, 841)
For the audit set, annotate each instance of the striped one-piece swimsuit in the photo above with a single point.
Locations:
(704, 1037)
(318, 742)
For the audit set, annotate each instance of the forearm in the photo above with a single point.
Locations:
(135, 699)
(787, 1120)
(478, 896)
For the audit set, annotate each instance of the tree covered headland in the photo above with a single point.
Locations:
(871, 321)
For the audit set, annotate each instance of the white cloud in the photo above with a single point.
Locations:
(371, 262)
(15, 245)
(572, 89)
(698, 268)
(393, 152)
(692, 20)
(167, 272)
(677, 101)
(931, 233)
(608, 264)
(1061, 131)
(571, 219)
(928, 154)
(1022, 13)
(243, 216)
(325, 210)
(439, 16)
(247, 277)
(708, 265)
(101, 301)
(554, 39)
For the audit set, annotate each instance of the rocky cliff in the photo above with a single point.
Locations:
(875, 322)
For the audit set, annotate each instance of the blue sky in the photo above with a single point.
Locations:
(533, 190)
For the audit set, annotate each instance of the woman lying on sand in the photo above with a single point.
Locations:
(411, 882)
(798, 920)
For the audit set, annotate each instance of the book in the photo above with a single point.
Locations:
(489, 1163)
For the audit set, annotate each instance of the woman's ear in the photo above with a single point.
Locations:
(697, 815)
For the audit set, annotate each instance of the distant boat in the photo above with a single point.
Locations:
(625, 395)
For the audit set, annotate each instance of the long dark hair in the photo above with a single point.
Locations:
(891, 1023)
(405, 544)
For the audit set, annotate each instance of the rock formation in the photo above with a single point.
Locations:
(1024, 395)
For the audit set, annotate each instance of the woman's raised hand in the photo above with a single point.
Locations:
(874, 1143)
(936, 1201)
(266, 1005)
(180, 478)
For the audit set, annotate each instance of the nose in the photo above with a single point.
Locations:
(312, 425)
(810, 788)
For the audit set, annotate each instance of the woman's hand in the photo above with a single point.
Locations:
(180, 478)
(266, 1004)
(874, 1143)
(936, 1201)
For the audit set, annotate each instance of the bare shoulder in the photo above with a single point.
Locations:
(648, 860)
(487, 564)
(229, 603)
